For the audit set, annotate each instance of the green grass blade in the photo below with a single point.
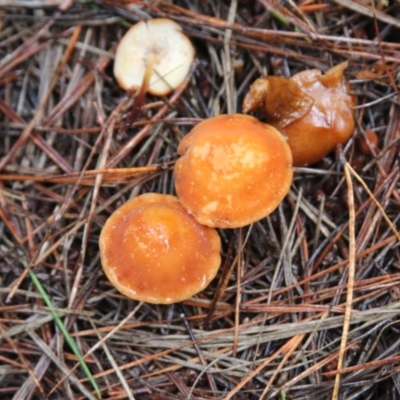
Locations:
(286, 22)
(280, 17)
(64, 331)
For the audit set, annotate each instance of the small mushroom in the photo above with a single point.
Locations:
(152, 250)
(157, 44)
(313, 128)
(368, 143)
(234, 170)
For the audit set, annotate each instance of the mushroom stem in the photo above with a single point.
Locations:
(147, 74)
(139, 98)
(145, 84)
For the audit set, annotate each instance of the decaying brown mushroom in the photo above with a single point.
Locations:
(313, 110)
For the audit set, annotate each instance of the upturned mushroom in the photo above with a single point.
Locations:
(157, 46)
(152, 250)
(233, 170)
(314, 111)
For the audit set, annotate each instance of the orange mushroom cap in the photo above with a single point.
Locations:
(161, 43)
(234, 170)
(313, 128)
(329, 122)
(152, 250)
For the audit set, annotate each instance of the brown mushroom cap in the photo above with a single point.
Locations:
(152, 250)
(162, 41)
(329, 122)
(234, 170)
(313, 128)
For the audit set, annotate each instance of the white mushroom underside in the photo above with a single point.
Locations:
(161, 39)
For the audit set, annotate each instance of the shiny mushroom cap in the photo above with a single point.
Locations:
(152, 250)
(159, 41)
(234, 170)
(329, 122)
(313, 110)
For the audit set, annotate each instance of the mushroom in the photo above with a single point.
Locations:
(368, 143)
(313, 110)
(152, 250)
(234, 170)
(157, 45)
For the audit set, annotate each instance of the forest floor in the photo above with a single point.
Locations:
(306, 303)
